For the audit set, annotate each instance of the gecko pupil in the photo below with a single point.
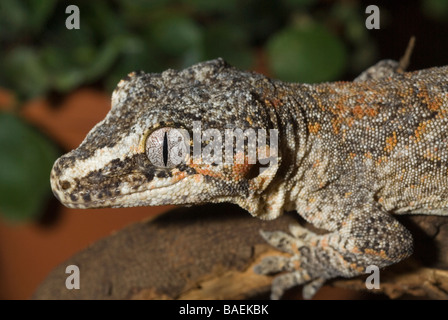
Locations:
(165, 149)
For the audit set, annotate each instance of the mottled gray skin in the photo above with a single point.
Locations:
(351, 154)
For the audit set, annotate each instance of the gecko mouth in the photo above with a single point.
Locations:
(89, 200)
(133, 187)
(121, 196)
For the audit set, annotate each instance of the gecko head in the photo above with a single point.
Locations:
(166, 140)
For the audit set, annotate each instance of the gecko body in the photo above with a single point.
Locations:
(350, 155)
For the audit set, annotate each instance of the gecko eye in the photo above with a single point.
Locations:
(167, 147)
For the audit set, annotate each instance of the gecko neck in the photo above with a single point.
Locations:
(286, 101)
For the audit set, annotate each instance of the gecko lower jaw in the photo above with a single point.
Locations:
(117, 195)
(90, 200)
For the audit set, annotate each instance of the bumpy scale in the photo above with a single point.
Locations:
(350, 155)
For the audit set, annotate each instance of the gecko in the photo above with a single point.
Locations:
(350, 156)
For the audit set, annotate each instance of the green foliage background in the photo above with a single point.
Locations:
(294, 40)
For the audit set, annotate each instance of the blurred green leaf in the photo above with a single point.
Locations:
(137, 54)
(66, 63)
(260, 18)
(307, 54)
(136, 9)
(363, 50)
(39, 12)
(229, 42)
(214, 6)
(13, 17)
(25, 72)
(299, 3)
(73, 43)
(63, 74)
(26, 159)
(104, 20)
(104, 59)
(40, 55)
(176, 34)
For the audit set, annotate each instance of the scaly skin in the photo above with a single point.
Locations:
(350, 155)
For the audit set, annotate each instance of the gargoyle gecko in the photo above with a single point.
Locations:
(350, 156)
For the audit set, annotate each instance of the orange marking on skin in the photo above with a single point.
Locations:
(206, 170)
(241, 166)
(344, 134)
(178, 175)
(277, 103)
(314, 127)
(316, 163)
(320, 105)
(267, 103)
(381, 254)
(350, 121)
(239, 171)
(239, 158)
(429, 154)
(382, 159)
(197, 178)
(391, 142)
(336, 124)
(371, 112)
(274, 102)
(209, 172)
(420, 130)
(358, 112)
(355, 267)
(433, 102)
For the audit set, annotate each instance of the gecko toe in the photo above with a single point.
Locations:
(283, 241)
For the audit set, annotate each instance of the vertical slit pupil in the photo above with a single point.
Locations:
(165, 149)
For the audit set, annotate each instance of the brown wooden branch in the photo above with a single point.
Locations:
(208, 252)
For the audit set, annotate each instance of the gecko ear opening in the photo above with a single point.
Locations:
(256, 170)
(261, 175)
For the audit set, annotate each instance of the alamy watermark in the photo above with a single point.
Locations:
(373, 281)
(73, 280)
(373, 20)
(73, 21)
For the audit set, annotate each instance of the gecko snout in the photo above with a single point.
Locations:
(58, 185)
(62, 185)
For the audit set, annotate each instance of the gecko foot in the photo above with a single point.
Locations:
(295, 273)
(314, 258)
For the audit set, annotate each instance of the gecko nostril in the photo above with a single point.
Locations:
(65, 185)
